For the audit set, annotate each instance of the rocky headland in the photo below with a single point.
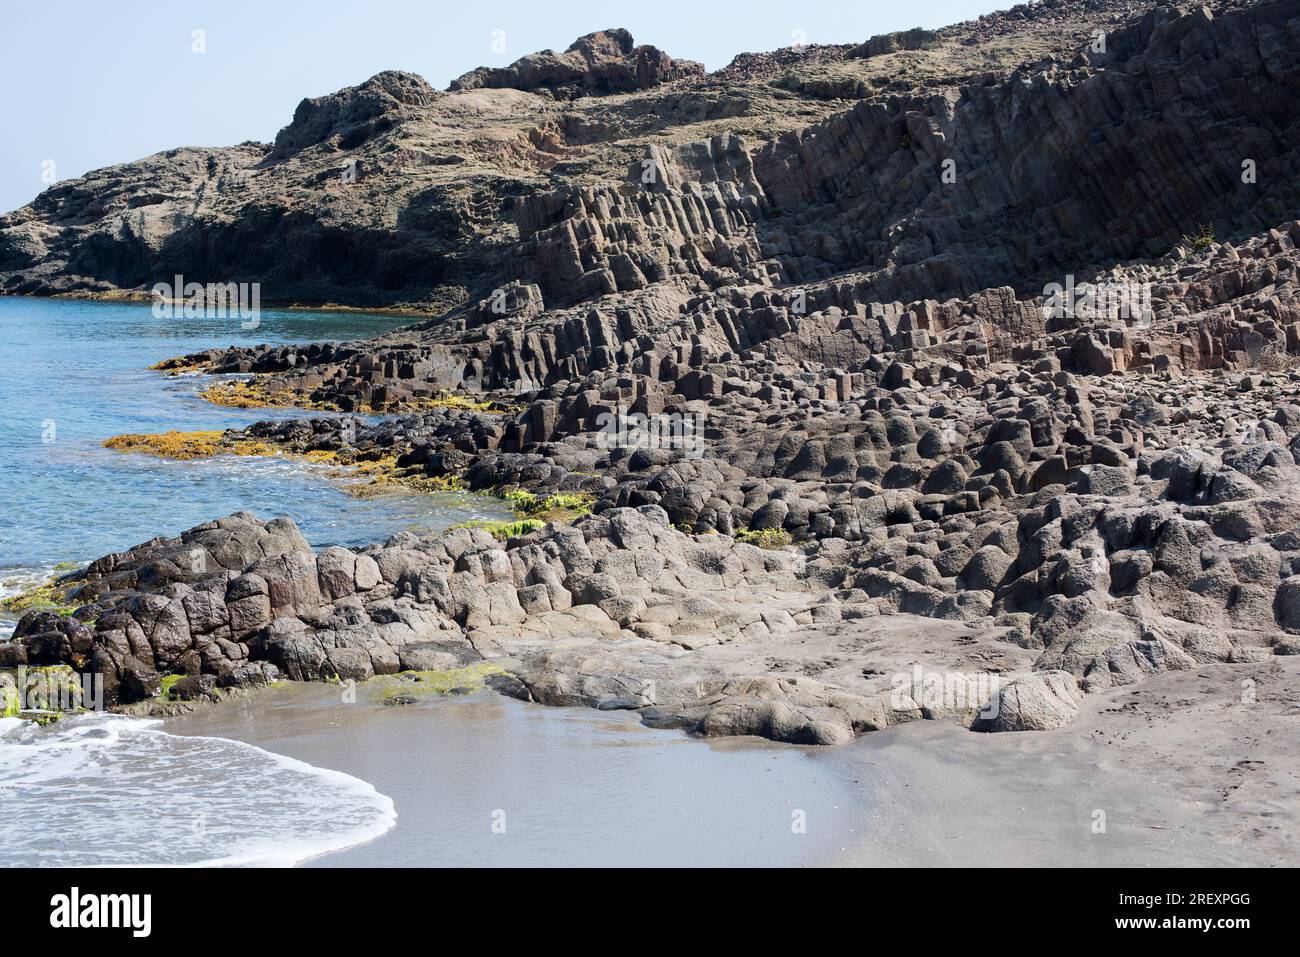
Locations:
(946, 374)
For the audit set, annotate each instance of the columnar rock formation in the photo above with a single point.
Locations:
(1000, 365)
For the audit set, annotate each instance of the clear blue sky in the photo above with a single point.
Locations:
(92, 83)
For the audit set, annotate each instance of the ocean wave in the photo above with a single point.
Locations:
(16, 580)
(109, 790)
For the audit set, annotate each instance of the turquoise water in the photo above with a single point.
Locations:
(74, 373)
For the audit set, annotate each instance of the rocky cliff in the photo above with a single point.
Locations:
(612, 166)
(990, 331)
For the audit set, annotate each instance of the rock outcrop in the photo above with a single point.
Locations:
(1000, 369)
(595, 65)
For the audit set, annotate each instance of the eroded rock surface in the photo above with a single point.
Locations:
(850, 281)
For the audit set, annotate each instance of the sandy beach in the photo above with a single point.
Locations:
(1180, 771)
(486, 780)
(1137, 780)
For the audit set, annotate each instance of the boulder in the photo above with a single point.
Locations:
(1036, 702)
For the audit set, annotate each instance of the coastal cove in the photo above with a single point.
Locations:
(484, 780)
(77, 372)
(419, 785)
(874, 453)
(74, 373)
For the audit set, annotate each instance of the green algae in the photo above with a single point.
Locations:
(168, 682)
(505, 530)
(560, 507)
(48, 597)
(410, 687)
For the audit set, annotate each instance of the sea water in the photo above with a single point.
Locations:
(100, 789)
(74, 373)
(293, 774)
(103, 789)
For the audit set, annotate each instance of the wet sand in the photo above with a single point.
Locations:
(487, 780)
(1175, 772)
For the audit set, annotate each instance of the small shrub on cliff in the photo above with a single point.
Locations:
(1203, 239)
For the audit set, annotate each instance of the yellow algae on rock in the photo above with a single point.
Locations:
(184, 446)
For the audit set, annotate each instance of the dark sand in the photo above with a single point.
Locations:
(1185, 773)
(578, 787)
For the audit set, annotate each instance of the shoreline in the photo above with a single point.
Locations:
(215, 801)
(929, 793)
(562, 786)
(896, 445)
(967, 781)
(784, 703)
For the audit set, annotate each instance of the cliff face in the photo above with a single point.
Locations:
(612, 167)
(561, 238)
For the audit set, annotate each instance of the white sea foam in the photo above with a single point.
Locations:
(16, 580)
(106, 789)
